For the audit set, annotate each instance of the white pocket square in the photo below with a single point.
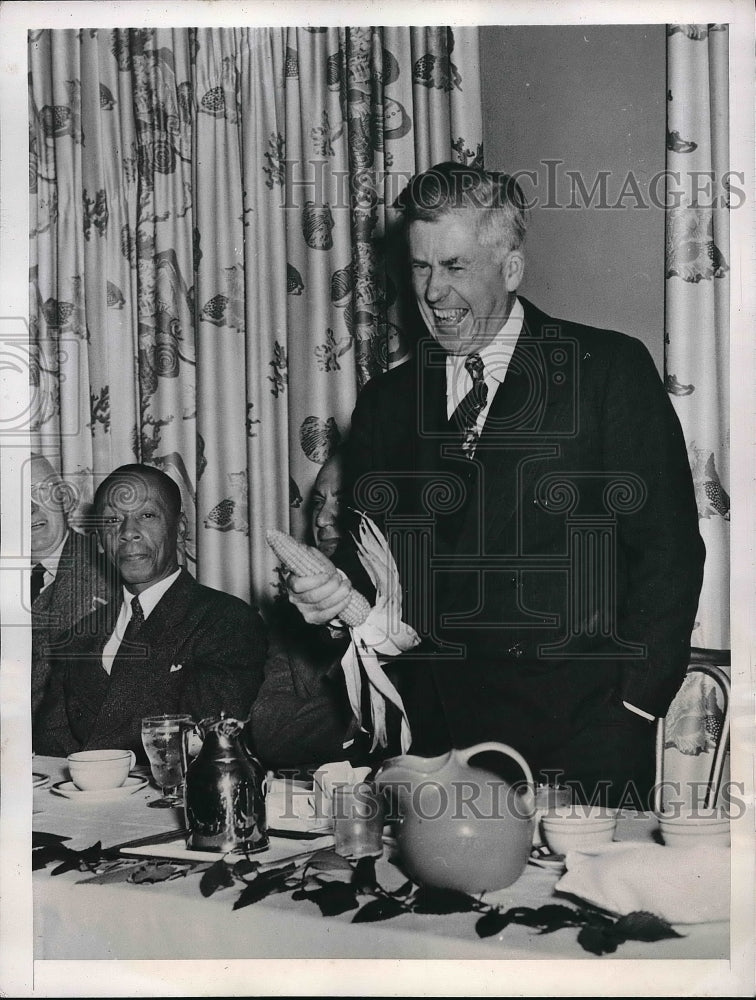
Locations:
(175, 667)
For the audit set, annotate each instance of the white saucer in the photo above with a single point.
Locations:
(69, 790)
(542, 857)
(40, 780)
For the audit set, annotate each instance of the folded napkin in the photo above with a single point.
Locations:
(290, 805)
(682, 885)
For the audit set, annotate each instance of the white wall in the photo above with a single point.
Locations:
(593, 97)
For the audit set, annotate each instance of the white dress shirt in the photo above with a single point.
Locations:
(147, 599)
(495, 357)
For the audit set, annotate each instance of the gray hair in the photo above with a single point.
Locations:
(501, 220)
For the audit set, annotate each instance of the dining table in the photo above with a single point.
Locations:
(76, 918)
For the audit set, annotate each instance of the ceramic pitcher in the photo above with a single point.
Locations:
(461, 826)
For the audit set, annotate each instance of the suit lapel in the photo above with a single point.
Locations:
(432, 425)
(133, 680)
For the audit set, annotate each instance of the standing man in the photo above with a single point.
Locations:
(69, 578)
(166, 644)
(541, 467)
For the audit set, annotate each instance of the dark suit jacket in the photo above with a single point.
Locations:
(301, 715)
(81, 585)
(200, 651)
(557, 573)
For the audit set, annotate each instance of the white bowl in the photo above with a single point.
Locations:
(580, 814)
(561, 840)
(690, 829)
(578, 827)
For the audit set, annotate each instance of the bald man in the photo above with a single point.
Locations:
(166, 643)
(69, 578)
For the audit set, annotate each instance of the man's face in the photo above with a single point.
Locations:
(49, 523)
(138, 531)
(464, 291)
(326, 507)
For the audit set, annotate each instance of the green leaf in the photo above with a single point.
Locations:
(403, 890)
(363, 875)
(643, 926)
(383, 908)
(598, 939)
(113, 874)
(264, 885)
(217, 876)
(69, 864)
(492, 923)
(552, 917)
(431, 900)
(245, 867)
(328, 860)
(40, 839)
(42, 857)
(158, 872)
(526, 915)
(334, 898)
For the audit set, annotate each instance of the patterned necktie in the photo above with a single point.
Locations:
(37, 581)
(128, 650)
(465, 417)
(134, 626)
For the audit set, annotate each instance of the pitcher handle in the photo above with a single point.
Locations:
(187, 729)
(465, 755)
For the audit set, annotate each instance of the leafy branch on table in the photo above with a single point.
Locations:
(103, 865)
(318, 883)
(338, 886)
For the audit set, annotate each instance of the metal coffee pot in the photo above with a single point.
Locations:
(461, 825)
(225, 792)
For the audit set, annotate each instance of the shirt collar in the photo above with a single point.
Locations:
(496, 355)
(150, 597)
(51, 561)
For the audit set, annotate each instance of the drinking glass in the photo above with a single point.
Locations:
(357, 820)
(162, 738)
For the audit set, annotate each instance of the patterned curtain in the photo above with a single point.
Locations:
(212, 270)
(697, 293)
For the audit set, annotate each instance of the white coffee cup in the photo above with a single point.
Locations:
(95, 770)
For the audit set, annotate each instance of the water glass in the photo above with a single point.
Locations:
(357, 820)
(163, 738)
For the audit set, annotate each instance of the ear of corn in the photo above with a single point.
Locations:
(303, 560)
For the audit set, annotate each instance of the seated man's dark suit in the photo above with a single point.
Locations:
(562, 564)
(81, 585)
(200, 651)
(301, 715)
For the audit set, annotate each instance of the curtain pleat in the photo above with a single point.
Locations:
(698, 294)
(213, 268)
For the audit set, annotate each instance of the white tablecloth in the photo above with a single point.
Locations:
(172, 920)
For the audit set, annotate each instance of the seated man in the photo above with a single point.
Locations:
(169, 645)
(301, 715)
(69, 578)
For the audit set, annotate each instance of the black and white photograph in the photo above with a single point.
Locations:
(378, 460)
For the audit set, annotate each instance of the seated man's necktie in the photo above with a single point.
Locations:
(127, 651)
(134, 624)
(465, 417)
(37, 581)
